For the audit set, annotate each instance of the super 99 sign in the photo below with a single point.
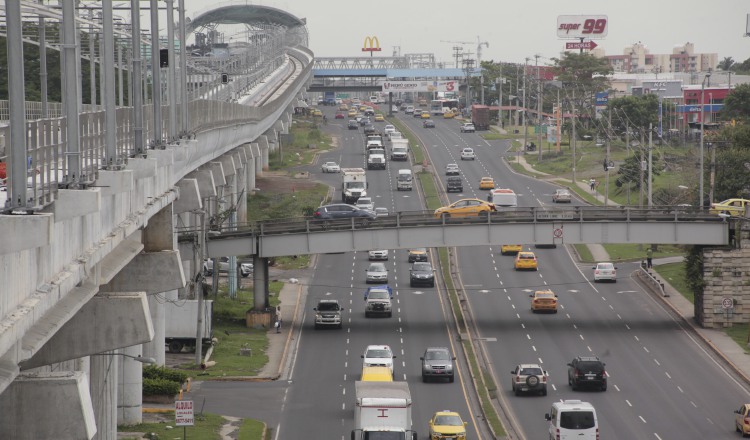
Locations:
(582, 26)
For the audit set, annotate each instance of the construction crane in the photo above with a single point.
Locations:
(480, 43)
(456, 49)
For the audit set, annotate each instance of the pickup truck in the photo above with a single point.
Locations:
(378, 301)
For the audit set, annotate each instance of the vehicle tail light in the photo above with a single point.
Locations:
(746, 420)
(557, 434)
(316, 214)
(597, 433)
(544, 379)
(576, 372)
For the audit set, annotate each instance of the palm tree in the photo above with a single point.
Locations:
(726, 64)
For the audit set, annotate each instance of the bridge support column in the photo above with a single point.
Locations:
(263, 142)
(130, 381)
(104, 375)
(260, 283)
(258, 158)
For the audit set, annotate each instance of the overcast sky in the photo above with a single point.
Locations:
(514, 29)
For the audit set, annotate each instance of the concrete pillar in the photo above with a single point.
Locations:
(260, 283)
(263, 143)
(130, 386)
(258, 159)
(155, 348)
(104, 368)
(242, 192)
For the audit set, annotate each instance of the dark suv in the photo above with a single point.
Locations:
(587, 371)
(353, 125)
(437, 362)
(454, 183)
(421, 273)
(344, 211)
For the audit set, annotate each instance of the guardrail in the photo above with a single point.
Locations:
(646, 276)
(407, 219)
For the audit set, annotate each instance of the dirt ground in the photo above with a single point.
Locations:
(277, 182)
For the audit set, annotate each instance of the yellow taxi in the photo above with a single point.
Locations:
(525, 260)
(449, 115)
(487, 183)
(742, 419)
(362, 108)
(465, 208)
(352, 113)
(317, 112)
(417, 254)
(344, 107)
(379, 117)
(447, 424)
(544, 301)
(376, 374)
(733, 207)
(510, 249)
(425, 115)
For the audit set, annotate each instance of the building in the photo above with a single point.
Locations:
(638, 59)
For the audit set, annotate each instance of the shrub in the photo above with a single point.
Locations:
(164, 373)
(156, 387)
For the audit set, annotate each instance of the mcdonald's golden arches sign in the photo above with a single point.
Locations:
(372, 44)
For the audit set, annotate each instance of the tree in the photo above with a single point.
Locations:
(585, 71)
(634, 112)
(737, 103)
(726, 63)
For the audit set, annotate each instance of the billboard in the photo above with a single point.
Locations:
(582, 26)
(663, 88)
(420, 86)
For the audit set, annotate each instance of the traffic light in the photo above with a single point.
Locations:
(224, 78)
(163, 57)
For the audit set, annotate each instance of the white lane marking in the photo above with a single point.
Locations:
(628, 402)
(642, 419)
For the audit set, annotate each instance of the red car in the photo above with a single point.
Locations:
(339, 115)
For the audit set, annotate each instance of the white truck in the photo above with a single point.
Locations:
(181, 324)
(376, 159)
(400, 149)
(404, 180)
(382, 411)
(353, 184)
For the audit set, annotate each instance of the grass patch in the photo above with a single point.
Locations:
(739, 333)
(432, 199)
(674, 274)
(307, 140)
(206, 427)
(484, 395)
(252, 430)
(268, 206)
(635, 252)
(584, 253)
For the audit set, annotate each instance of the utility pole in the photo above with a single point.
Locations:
(525, 132)
(539, 106)
(499, 82)
(606, 160)
(640, 201)
(573, 123)
(650, 168)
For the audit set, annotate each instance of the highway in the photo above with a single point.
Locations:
(662, 383)
(328, 360)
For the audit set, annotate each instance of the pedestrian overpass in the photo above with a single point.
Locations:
(531, 226)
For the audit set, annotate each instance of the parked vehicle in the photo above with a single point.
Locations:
(181, 327)
(245, 269)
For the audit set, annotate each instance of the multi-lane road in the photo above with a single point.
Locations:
(662, 383)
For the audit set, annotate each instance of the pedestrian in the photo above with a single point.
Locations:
(649, 257)
(592, 184)
(278, 325)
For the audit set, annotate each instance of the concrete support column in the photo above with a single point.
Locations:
(242, 192)
(130, 386)
(260, 282)
(263, 143)
(155, 348)
(103, 388)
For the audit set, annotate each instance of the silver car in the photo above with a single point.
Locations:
(376, 273)
(331, 167)
(378, 254)
(437, 362)
(365, 203)
(605, 272)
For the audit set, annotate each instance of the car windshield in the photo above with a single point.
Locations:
(327, 307)
(448, 421)
(356, 185)
(440, 355)
(377, 353)
(545, 295)
(376, 268)
(605, 266)
(364, 201)
(595, 367)
(379, 294)
(525, 257)
(577, 420)
(424, 267)
(531, 371)
(419, 250)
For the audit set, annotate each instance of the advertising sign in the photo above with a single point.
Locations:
(183, 413)
(420, 86)
(663, 88)
(371, 44)
(582, 26)
(602, 98)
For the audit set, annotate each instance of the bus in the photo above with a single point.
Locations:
(440, 106)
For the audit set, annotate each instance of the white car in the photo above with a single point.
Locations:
(468, 154)
(381, 212)
(331, 167)
(376, 273)
(378, 254)
(389, 129)
(468, 128)
(605, 272)
(365, 203)
(246, 269)
(378, 356)
(452, 170)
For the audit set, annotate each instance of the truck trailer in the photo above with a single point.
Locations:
(480, 116)
(382, 411)
(353, 184)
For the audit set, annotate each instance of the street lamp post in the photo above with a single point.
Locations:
(703, 109)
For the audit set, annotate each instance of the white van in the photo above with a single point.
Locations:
(572, 420)
(503, 198)
(404, 180)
